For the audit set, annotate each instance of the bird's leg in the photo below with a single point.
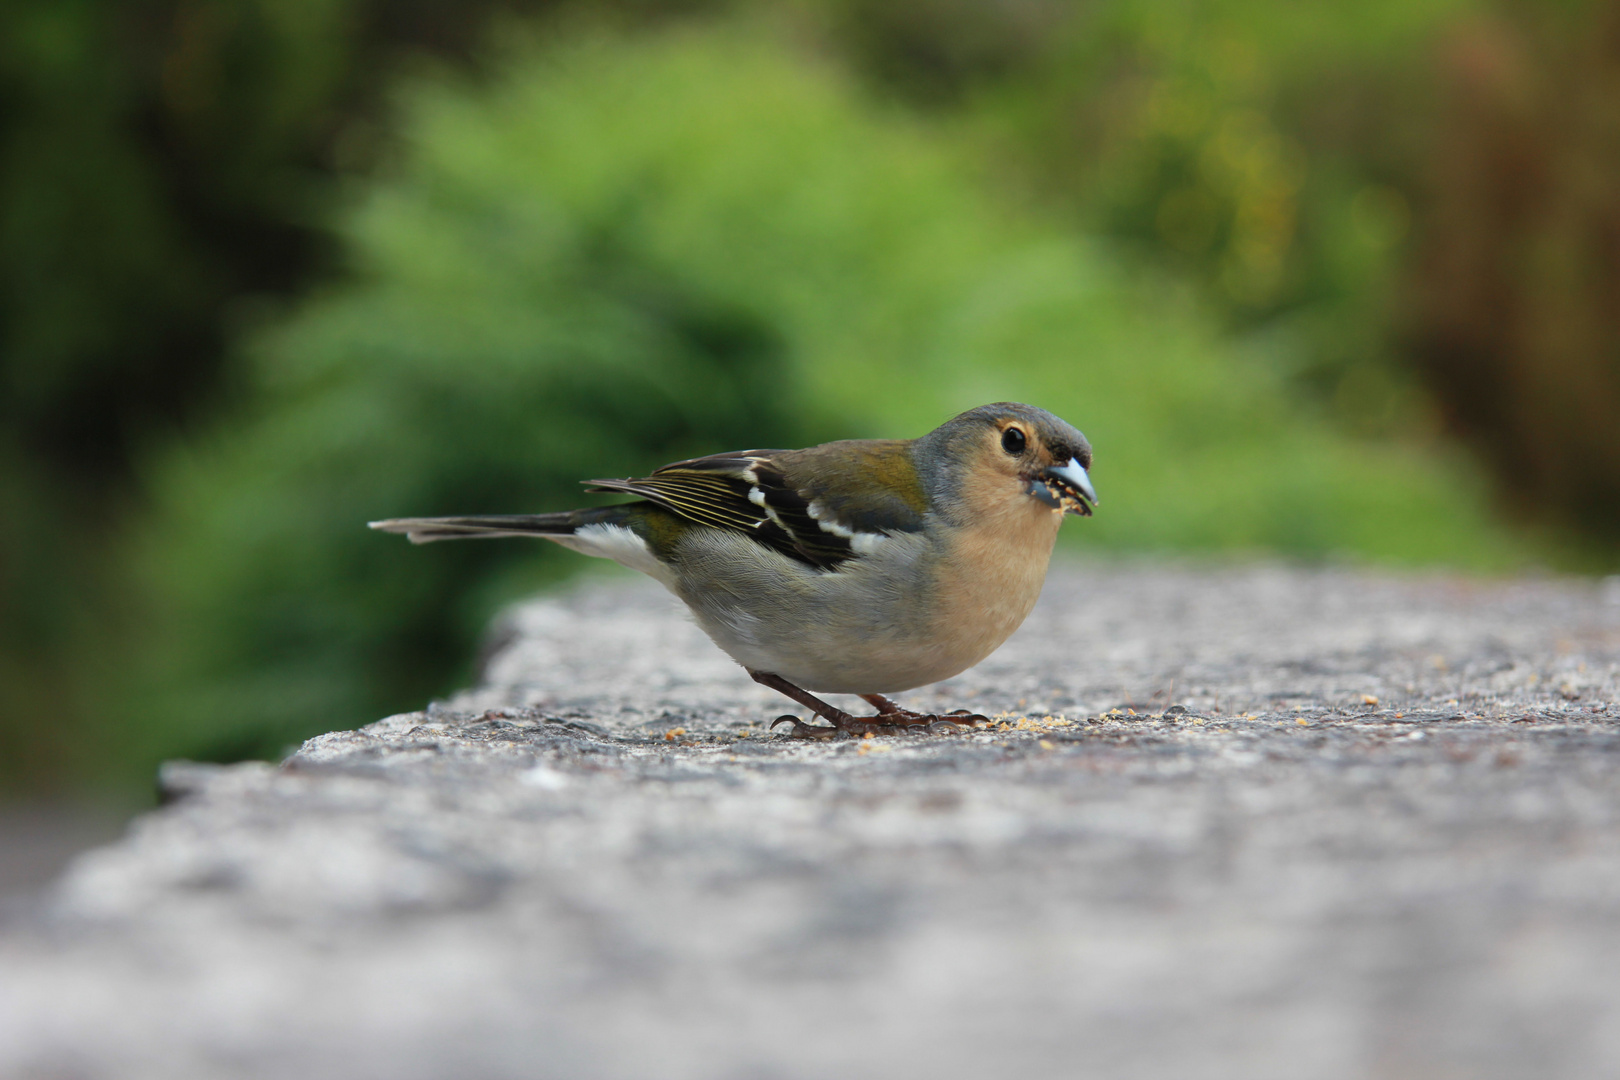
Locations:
(891, 713)
(840, 720)
(890, 717)
(883, 705)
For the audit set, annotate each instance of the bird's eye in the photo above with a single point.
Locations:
(1012, 441)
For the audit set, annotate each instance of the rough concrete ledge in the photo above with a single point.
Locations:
(1382, 840)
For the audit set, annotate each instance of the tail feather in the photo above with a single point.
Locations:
(427, 530)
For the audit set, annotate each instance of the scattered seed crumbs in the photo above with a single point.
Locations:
(674, 733)
(1008, 722)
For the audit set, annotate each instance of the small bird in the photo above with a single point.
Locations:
(866, 567)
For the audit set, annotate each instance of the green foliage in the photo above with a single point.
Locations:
(1515, 319)
(162, 168)
(148, 177)
(619, 252)
(1266, 152)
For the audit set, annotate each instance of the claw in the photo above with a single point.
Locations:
(891, 719)
(909, 719)
(802, 730)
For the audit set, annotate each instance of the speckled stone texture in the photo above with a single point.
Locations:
(1383, 840)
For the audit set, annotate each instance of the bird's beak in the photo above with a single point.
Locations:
(1071, 486)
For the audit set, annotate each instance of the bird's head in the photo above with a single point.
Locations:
(1046, 457)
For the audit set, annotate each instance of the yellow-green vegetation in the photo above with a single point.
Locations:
(622, 251)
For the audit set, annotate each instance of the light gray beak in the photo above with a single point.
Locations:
(1074, 476)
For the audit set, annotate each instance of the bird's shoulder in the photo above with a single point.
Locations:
(822, 505)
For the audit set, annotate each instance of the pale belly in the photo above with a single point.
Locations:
(901, 618)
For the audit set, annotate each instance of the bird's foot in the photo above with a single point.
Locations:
(891, 713)
(895, 722)
(891, 719)
(857, 726)
(962, 716)
(802, 730)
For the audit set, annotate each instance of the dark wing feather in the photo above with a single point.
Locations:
(747, 493)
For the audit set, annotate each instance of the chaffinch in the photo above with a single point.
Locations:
(860, 567)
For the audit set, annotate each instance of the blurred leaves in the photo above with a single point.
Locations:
(1261, 154)
(1517, 317)
(161, 174)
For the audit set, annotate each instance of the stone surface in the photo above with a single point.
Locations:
(1383, 840)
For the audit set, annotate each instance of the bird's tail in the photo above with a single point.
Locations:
(427, 530)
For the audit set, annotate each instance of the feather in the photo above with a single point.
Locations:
(777, 498)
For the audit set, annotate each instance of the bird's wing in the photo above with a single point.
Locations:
(821, 506)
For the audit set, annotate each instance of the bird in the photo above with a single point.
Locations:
(864, 566)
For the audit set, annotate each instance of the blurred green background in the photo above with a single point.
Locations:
(1330, 282)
